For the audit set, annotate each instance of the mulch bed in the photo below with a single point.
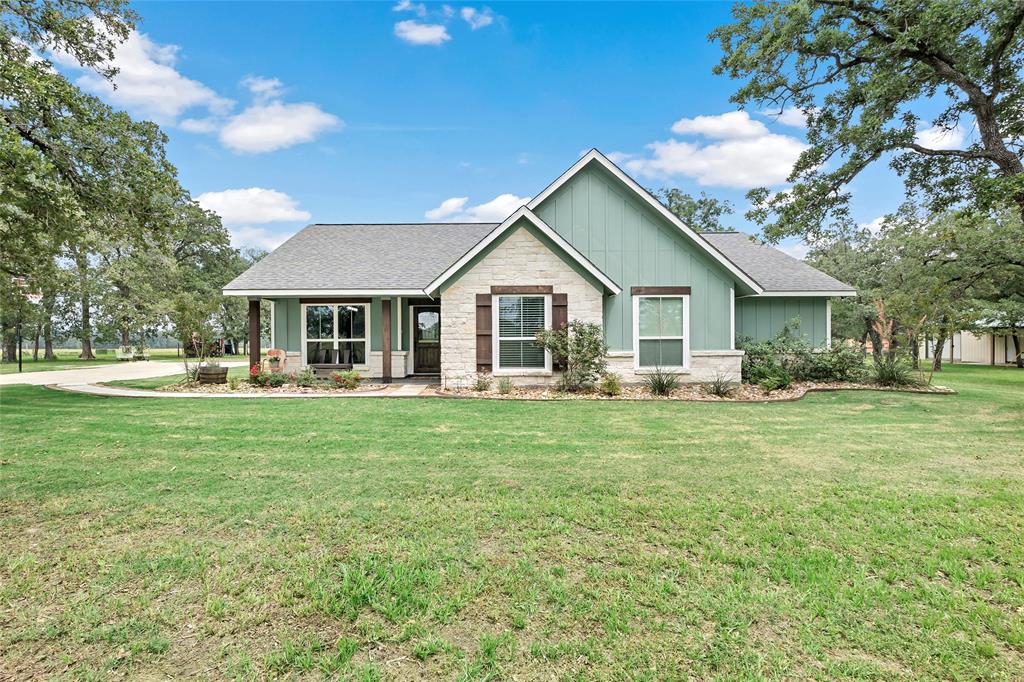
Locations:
(246, 387)
(694, 392)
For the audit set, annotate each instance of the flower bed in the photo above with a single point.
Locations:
(246, 387)
(694, 392)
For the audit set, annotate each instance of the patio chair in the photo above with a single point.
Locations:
(278, 353)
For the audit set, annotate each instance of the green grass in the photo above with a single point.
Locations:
(848, 536)
(68, 359)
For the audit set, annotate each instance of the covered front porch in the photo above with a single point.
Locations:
(381, 336)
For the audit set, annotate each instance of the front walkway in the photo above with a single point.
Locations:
(390, 391)
(91, 375)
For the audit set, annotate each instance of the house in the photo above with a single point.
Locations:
(993, 347)
(455, 300)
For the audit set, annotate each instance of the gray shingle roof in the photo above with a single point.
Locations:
(355, 257)
(771, 268)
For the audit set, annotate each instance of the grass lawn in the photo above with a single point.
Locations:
(845, 536)
(68, 359)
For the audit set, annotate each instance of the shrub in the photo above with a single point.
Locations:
(611, 384)
(660, 382)
(580, 347)
(839, 363)
(274, 379)
(257, 377)
(778, 380)
(505, 386)
(721, 386)
(305, 377)
(892, 370)
(234, 383)
(346, 380)
(483, 383)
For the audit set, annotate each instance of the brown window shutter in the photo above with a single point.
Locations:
(559, 318)
(483, 333)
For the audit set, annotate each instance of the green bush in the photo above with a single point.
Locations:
(346, 380)
(483, 383)
(581, 348)
(305, 378)
(611, 384)
(234, 383)
(275, 379)
(660, 382)
(790, 355)
(778, 380)
(893, 370)
(506, 385)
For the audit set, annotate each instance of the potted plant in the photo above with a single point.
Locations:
(274, 362)
(212, 372)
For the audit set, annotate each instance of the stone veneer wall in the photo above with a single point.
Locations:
(705, 365)
(520, 260)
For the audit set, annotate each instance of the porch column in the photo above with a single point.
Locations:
(385, 314)
(254, 331)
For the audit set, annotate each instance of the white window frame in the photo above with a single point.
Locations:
(496, 368)
(334, 312)
(685, 337)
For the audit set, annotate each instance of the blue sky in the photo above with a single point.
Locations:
(281, 114)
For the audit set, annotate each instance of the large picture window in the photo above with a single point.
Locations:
(660, 332)
(335, 334)
(517, 321)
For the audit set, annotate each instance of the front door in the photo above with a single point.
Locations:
(426, 342)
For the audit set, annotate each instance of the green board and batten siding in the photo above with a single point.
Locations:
(764, 317)
(635, 246)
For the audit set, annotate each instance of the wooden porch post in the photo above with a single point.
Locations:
(385, 313)
(254, 331)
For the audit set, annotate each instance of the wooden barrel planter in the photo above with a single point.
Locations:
(213, 375)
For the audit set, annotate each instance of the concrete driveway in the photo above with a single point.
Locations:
(91, 375)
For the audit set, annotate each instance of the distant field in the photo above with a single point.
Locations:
(68, 359)
(846, 536)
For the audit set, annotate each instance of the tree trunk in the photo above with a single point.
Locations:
(85, 333)
(48, 304)
(876, 343)
(10, 347)
(915, 351)
(125, 337)
(940, 341)
(35, 343)
(1019, 359)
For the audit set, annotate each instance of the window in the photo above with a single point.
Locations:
(660, 338)
(517, 319)
(335, 334)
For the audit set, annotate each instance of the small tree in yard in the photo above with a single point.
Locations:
(580, 347)
(191, 316)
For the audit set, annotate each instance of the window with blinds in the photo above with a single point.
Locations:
(660, 331)
(519, 320)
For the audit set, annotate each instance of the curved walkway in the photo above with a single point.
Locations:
(91, 375)
(390, 391)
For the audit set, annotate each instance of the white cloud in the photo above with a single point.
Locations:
(200, 125)
(790, 116)
(743, 154)
(147, 81)
(477, 18)
(938, 137)
(728, 126)
(265, 127)
(454, 210)
(797, 250)
(256, 236)
(415, 33)
(417, 8)
(252, 205)
(875, 226)
(263, 88)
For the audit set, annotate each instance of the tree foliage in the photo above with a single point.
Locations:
(861, 70)
(703, 213)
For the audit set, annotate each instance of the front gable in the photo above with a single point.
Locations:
(617, 229)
